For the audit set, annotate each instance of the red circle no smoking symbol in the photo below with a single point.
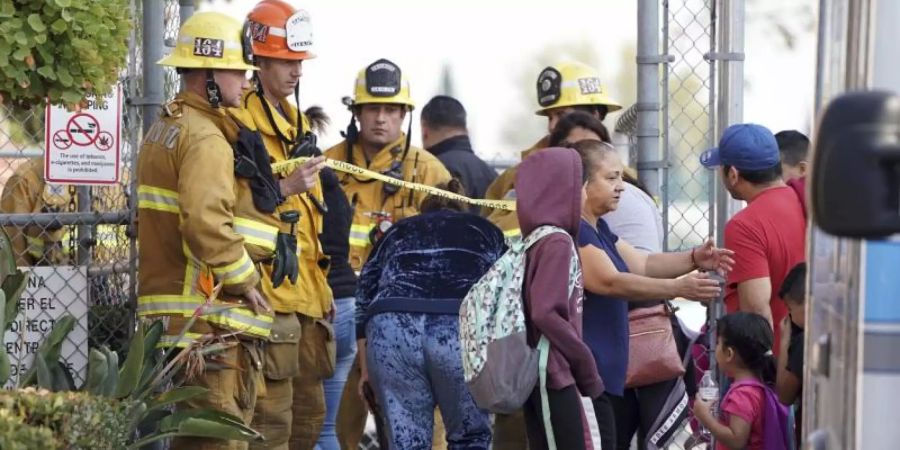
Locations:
(61, 140)
(83, 129)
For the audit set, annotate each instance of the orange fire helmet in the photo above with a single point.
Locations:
(280, 31)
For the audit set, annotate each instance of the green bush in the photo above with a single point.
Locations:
(78, 420)
(16, 435)
(61, 49)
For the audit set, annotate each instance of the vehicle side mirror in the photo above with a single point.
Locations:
(856, 166)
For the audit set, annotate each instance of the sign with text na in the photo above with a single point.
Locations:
(51, 293)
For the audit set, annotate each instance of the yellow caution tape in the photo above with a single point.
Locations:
(285, 167)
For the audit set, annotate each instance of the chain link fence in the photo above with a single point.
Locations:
(688, 113)
(687, 118)
(77, 241)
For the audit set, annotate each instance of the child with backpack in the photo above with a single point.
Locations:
(549, 190)
(751, 416)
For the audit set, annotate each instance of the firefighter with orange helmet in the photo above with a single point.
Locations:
(291, 413)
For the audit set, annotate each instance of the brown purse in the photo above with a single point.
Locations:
(652, 352)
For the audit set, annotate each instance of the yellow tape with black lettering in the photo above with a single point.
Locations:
(288, 166)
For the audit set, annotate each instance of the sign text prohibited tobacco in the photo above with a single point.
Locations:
(84, 147)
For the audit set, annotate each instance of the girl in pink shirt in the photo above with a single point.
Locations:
(751, 416)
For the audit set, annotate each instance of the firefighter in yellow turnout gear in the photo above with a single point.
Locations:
(26, 192)
(381, 103)
(291, 413)
(561, 89)
(187, 198)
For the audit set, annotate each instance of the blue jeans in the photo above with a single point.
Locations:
(345, 337)
(415, 363)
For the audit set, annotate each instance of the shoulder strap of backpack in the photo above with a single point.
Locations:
(544, 355)
(541, 232)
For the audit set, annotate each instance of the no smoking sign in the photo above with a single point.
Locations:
(83, 147)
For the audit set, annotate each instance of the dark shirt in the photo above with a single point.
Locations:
(461, 161)
(606, 317)
(335, 236)
(795, 366)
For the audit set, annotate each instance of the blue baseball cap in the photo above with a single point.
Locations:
(745, 146)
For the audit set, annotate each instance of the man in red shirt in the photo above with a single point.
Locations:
(769, 235)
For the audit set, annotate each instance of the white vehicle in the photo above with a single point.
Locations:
(852, 380)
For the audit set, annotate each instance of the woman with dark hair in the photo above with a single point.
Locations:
(577, 126)
(407, 317)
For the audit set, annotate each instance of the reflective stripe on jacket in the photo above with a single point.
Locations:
(186, 222)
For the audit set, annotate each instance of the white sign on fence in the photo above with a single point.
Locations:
(83, 147)
(52, 292)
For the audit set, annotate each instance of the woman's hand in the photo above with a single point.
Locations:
(709, 257)
(698, 286)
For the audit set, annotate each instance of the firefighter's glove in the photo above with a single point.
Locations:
(286, 264)
(307, 146)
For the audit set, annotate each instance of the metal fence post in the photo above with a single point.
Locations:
(729, 59)
(154, 29)
(185, 9)
(649, 164)
(85, 231)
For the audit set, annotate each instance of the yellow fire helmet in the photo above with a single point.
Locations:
(382, 82)
(571, 84)
(211, 40)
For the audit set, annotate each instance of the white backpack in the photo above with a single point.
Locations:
(501, 369)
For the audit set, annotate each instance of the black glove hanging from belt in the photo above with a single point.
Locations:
(251, 161)
(286, 264)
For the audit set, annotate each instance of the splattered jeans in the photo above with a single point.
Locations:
(414, 363)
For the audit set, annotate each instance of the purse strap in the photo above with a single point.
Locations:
(666, 309)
